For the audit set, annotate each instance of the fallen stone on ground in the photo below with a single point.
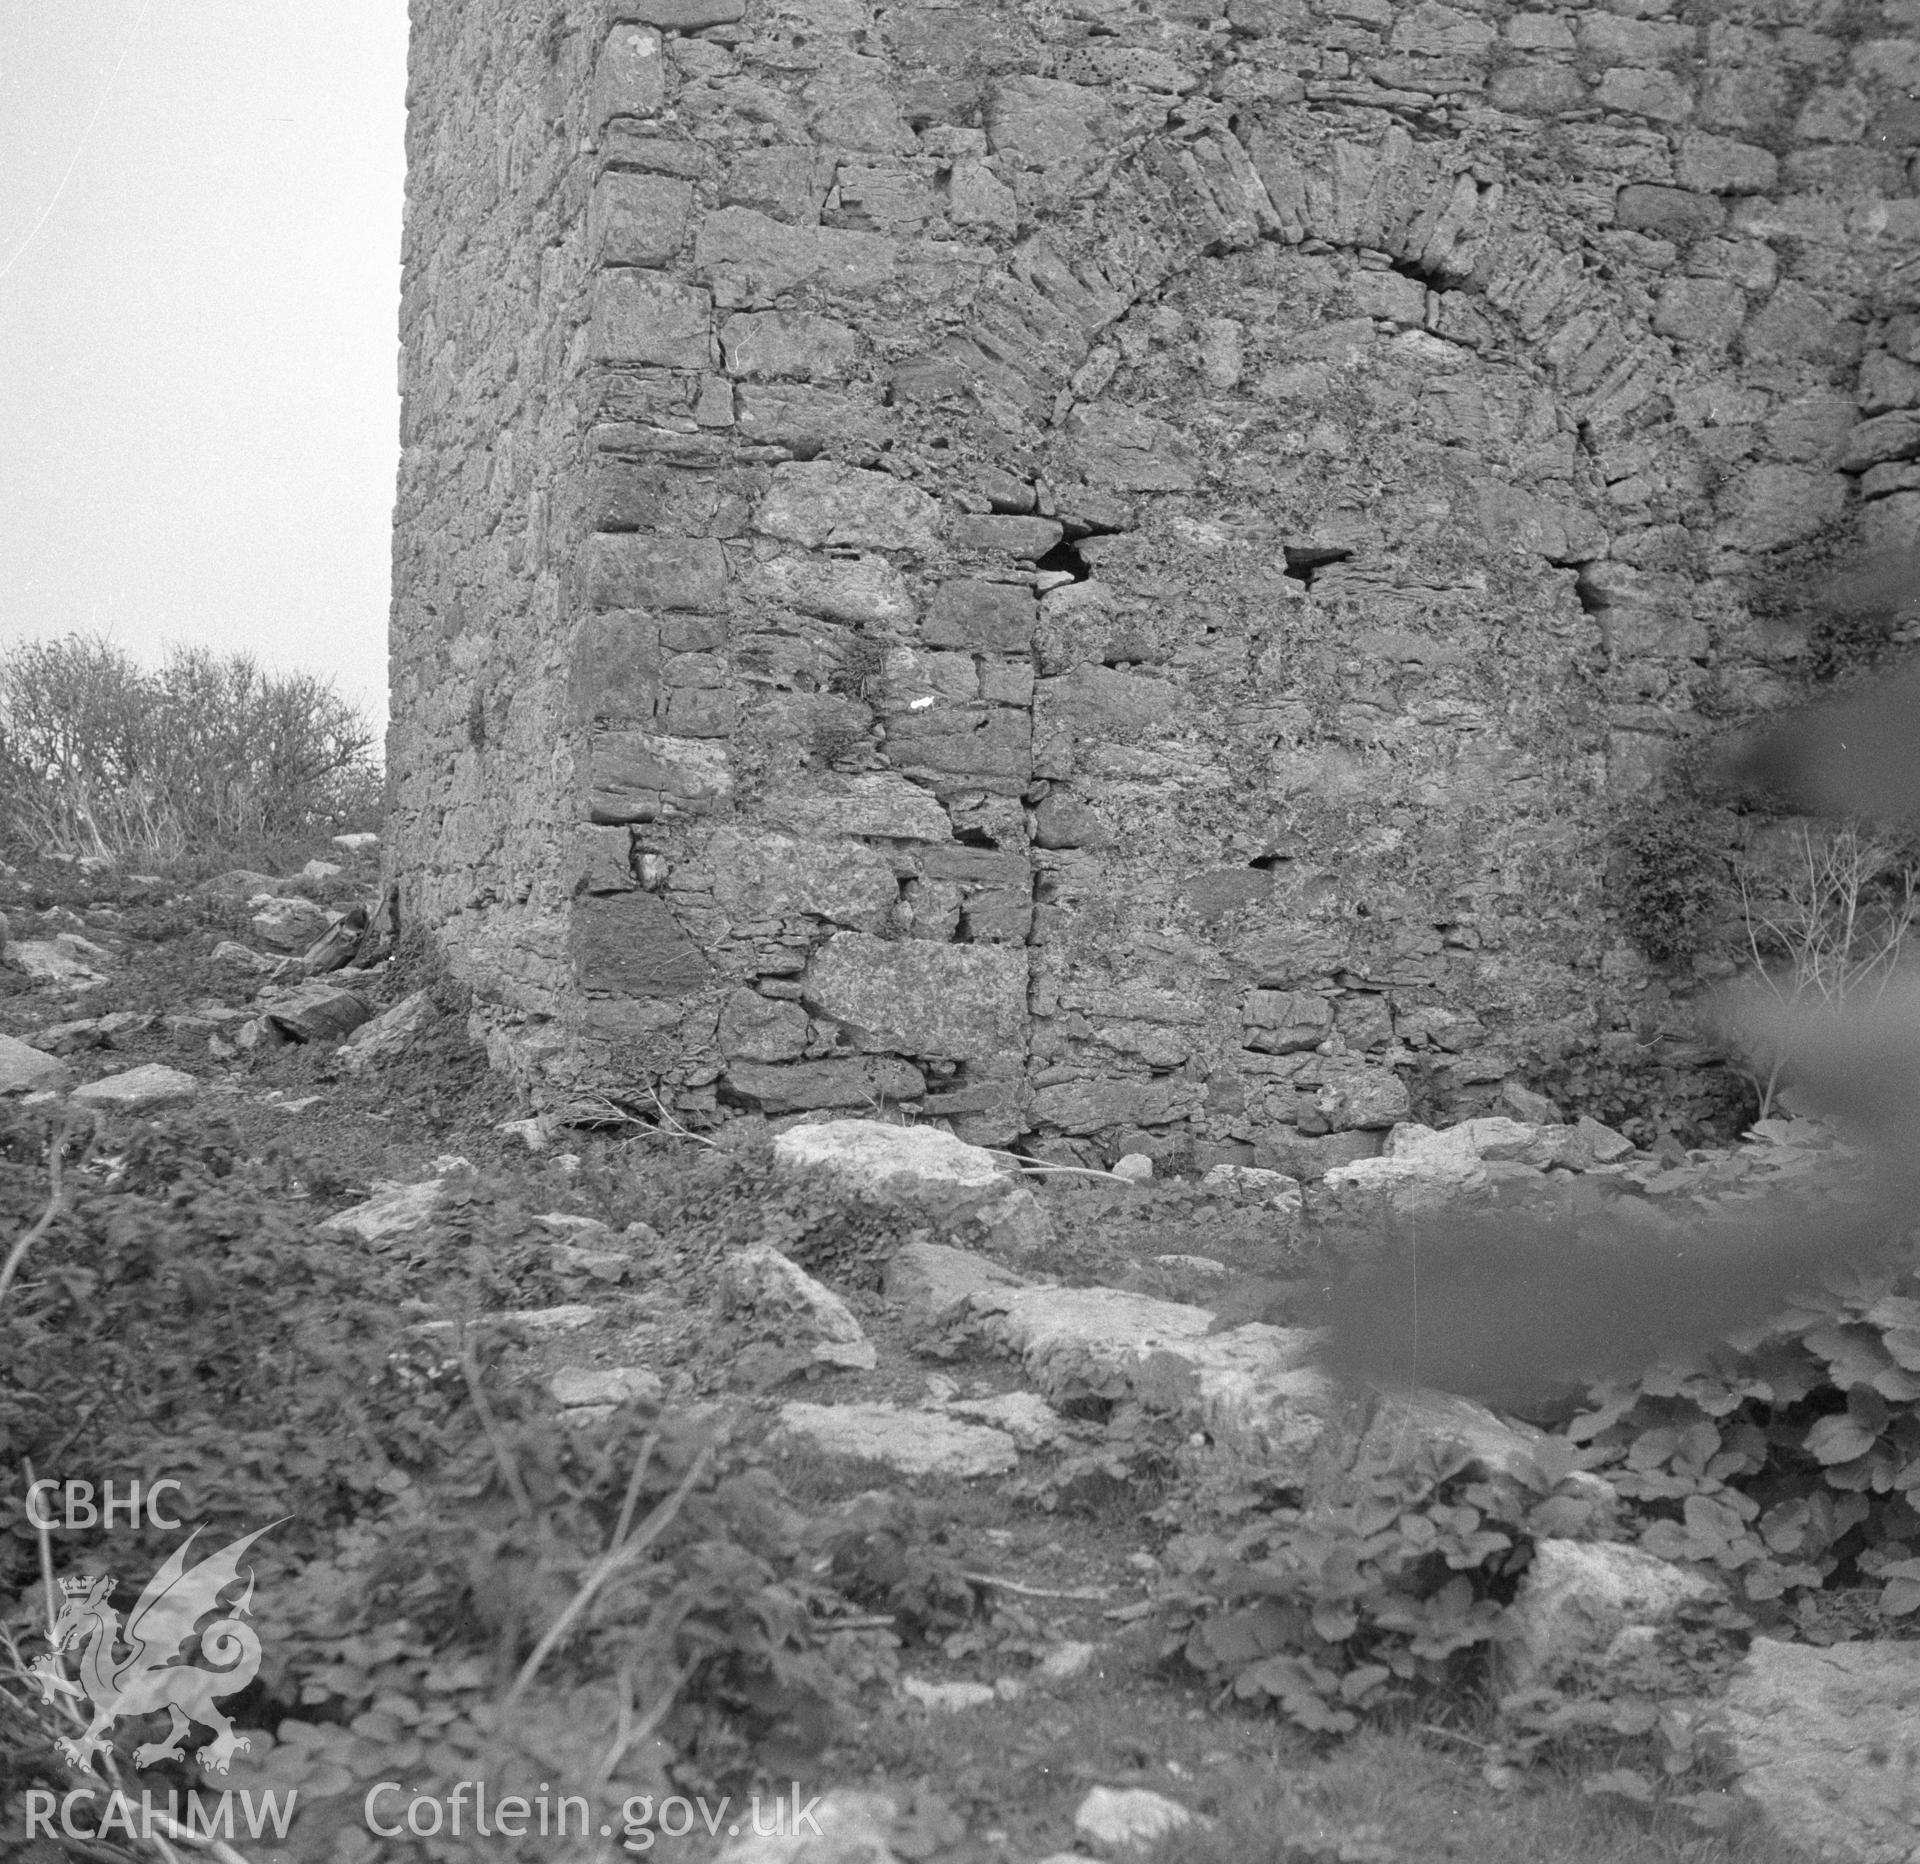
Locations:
(948, 1696)
(362, 843)
(230, 951)
(1826, 1739)
(1254, 1389)
(315, 1012)
(1066, 1661)
(1209, 1267)
(25, 1069)
(1374, 1432)
(1135, 1168)
(916, 1443)
(1026, 1417)
(760, 1281)
(242, 883)
(574, 1386)
(88, 1032)
(335, 947)
(1588, 1599)
(920, 1164)
(932, 1282)
(139, 1090)
(391, 1033)
(393, 1210)
(1122, 1816)
(567, 1317)
(289, 923)
(66, 958)
(852, 1828)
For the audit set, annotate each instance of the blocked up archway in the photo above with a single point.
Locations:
(1092, 585)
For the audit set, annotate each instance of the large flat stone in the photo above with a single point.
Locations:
(393, 1210)
(874, 1157)
(25, 1070)
(916, 1443)
(925, 1165)
(139, 1090)
(933, 1282)
(1827, 1741)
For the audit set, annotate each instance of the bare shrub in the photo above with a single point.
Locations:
(99, 755)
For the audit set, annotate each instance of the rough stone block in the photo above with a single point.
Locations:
(1644, 616)
(1512, 518)
(639, 569)
(1886, 383)
(1440, 32)
(866, 590)
(639, 219)
(1723, 165)
(955, 747)
(629, 495)
(634, 775)
(1125, 451)
(1095, 1106)
(983, 617)
(1891, 523)
(1813, 428)
(682, 15)
(785, 183)
(616, 668)
(1050, 125)
(1102, 702)
(1536, 90)
(1024, 539)
(628, 77)
(758, 876)
(1677, 214)
(630, 944)
(752, 259)
(880, 804)
(1797, 324)
(809, 420)
(765, 1029)
(1894, 436)
(796, 345)
(957, 1002)
(1062, 820)
(1656, 94)
(821, 504)
(1704, 312)
(640, 317)
(1776, 505)
(1641, 42)
(1752, 97)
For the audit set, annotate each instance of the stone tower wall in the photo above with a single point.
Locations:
(1100, 573)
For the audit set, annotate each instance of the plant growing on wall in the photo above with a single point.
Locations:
(1666, 879)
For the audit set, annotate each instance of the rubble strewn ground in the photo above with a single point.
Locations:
(970, 1347)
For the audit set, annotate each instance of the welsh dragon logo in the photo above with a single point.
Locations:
(154, 1673)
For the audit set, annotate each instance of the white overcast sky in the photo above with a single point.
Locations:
(199, 282)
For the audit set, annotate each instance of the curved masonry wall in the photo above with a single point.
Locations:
(1097, 572)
